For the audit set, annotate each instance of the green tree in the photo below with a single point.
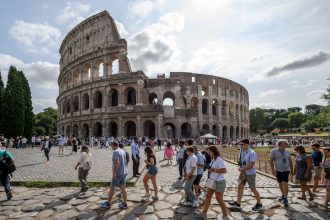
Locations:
(296, 119)
(309, 125)
(13, 105)
(313, 109)
(2, 88)
(257, 119)
(294, 109)
(280, 123)
(45, 122)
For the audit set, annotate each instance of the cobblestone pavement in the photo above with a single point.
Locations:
(67, 203)
(31, 165)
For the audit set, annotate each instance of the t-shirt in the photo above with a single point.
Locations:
(247, 157)
(180, 152)
(317, 158)
(281, 159)
(2, 152)
(218, 163)
(84, 157)
(120, 155)
(190, 163)
(200, 160)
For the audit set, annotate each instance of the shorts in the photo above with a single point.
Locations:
(317, 171)
(198, 179)
(283, 176)
(121, 180)
(250, 179)
(152, 170)
(220, 186)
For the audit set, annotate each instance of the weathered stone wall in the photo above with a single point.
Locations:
(101, 96)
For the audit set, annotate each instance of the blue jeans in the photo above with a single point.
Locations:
(4, 178)
(180, 162)
(188, 186)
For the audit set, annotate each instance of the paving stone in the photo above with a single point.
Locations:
(90, 215)
(10, 208)
(148, 217)
(134, 197)
(104, 196)
(18, 215)
(47, 201)
(128, 217)
(33, 207)
(278, 217)
(19, 189)
(45, 214)
(299, 208)
(76, 202)
(29, 202)
(299, 216)
(23, 197)
(259, 217)
(85, 195)
(140, 210)
(62, 208)
(190, 217)
(184, 210)
(66, 215)
(93, 199)
(238, 215)
(174, 198)
(320, 215)
(81, 207)
(267, 196)
(12, 202)
(160, 205)
(169, 190)
(211, 214)
(164, 214)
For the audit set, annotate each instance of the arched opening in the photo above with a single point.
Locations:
(215, 130)
(184, 102)
(241, 112)
(75, 104)
(231, 132)
(86, 72)
(130, 96)
(130, 129)
(85, 102)
(205, 91)
(115, 66)
(242, 133)
(237, 132)
(97, 129)
(194, 103)
(149, 129)
(68, 109)
(113, 97)
(113, 129)
(85, 131)
(214, 107)
(101, 72)
(97, 99)
(76, 76)
(205, 106)
(237, 111)
(169, 130)
(223, 107)
(224, 132)
(185, 130)
(75, 130)
(169, 99)
(89, 73)
(63, 109)
(153, 99)
(62, 130)
(231, 109)
(68, 131)
(205, 129)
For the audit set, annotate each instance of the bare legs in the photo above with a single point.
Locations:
(153, 181)
(219, 198)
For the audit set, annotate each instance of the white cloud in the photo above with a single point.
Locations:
(38, 38)
(72, 13)
(121, 29)
(142, 8)
(315, 93)
(264, 105)
(271, 92)
(302, 84)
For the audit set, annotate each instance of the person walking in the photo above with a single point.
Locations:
(135, 157)
(84, 164)
(159, 144)
(169, 152)
(317, 157)
(217, 170)
(119, 172)
(74, 144)
(200, 170)
(247, 169)
(180, 158)
(326, 173)
(190, 176)
(60, 142)
(46, 145)
(4, 176)
(151, 173)
(281, 165)
(303, 171)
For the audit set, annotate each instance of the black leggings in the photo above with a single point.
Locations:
(47, 153)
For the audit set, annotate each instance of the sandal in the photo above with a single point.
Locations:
(302, 197)
(311, 198)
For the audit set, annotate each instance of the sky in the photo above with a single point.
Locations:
(278, 50)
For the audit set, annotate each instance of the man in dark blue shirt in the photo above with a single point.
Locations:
(317, 160)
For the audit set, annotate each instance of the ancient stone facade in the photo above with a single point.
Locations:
(99, 95)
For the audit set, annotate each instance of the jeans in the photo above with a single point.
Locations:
(190, 196)
(5, 182)
(136, 164)
(82, 176)
(180, 163)
(46, 150)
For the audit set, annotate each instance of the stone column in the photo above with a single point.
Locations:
(90, 100)
(105, 66)
(79, 130)
(107, 127)
(80, 103)
(81, 74)
(103, 127)
(120, 127)
(92, 66)
(72, 79)
(90, 128)
(160, 126)
(138, 127)
(121, 98)
(122, 59)
(140, 85)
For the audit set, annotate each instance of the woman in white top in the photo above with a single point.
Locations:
(84, 164)
(217, 171)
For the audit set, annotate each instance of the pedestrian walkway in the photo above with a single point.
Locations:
(67, 203)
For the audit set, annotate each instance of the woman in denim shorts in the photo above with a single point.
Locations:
(152, 171)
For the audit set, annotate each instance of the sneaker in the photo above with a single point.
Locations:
(257, 207)
(147, 195)
(105, 205)
(281, 199)
(154, 197)
(9, 195)
(202, 196)
(285, 201)
(122, 205)
(235, 204)
(185, 203)
(196, 203)
(180, 178)
(200, 214)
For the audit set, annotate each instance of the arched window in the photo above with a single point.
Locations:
(194, 103)
(85, 102)
(169, 98)
(215, 107)
(97, 99)
(153, 98)
(113, 97)
(75, 104)
(205, 106)
(115, 66)
(130, 96)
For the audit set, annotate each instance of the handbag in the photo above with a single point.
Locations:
(210, 183)
(87, 165)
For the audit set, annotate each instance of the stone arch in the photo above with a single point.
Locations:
(63, 109)
(231, 109)
(242, 132)
(97, 99)
(113, 97)
(205, 129)
(186, 130)
(75, 103)
(205, 91)
(231, 132)
(98, 129)
(169, 98)
(99, 64)
(70, 80)
(76, 76)
(68, 131)
(153, 98)
(215, 105)
(75, 129)
(216, 130)
(86, 72)
(224, 132)
(85, 101)
(194, 103)
(223, 107)
(85, 130)
(113, 129)
(130, 129)
(241, 112)
(130, 95)
(169, 130)
(237, 132)
(205, 106)
(68, 106)
(237, 111)
(149, 129)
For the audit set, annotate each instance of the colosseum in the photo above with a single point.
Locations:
(100, 95)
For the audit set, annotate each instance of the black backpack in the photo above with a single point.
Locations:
(7, 164)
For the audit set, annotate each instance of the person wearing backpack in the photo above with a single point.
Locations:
(6, 158)
(326, 173)
(84, 164)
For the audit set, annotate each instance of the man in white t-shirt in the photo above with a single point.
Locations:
(190, 176)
